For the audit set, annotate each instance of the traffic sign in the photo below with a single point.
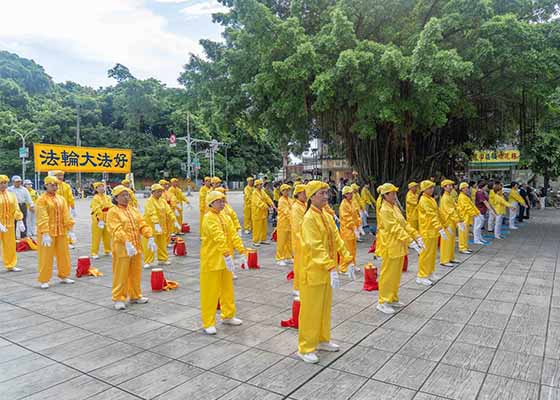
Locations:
(23, 152)
(172, 140)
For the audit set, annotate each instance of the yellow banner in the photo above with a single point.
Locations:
(50, 157)
(498, 156)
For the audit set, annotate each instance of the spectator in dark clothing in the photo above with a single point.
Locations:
(524, 211)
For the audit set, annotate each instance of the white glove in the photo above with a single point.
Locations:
(177, 213)
(335, 283)
(361, 231)
(73, 213)
(177, 225)
(461, 226)
(101, 225)
(336, 219)
(47, 240)
(357, 233)
(450, 231)
(229, 263)
(351, 272)
(152, 245)
(416, 248)
(72, 236)
(3, 229)
(239, 233)
(443, 234)
(157, 228)
(420, 242)
(130, 249)
(20, 226)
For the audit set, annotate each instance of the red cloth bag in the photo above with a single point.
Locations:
(370, 279)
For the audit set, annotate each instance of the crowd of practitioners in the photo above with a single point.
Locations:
(319, 242)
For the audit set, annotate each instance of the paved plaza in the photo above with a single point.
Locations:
(490, 329)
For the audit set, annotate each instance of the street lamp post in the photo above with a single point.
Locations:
(23, 156)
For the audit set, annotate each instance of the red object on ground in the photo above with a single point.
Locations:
(83, 266)
(252, 259)
(180, 248)
(370, 279)
(274, 236)
(157, 279)
(22, 246)
(185, 228)
(290, 276)
(405, 263)
(372, 248)
(294, 321)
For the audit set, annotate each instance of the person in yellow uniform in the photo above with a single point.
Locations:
(378, 236)
(30, 223)
(65, 190)
(9, 212)
(276, 193)
(359, 208)
(247, 193)
(176, 191)
(219, 240)
(100, 205)
(321, 244)
(133, 201)
(492, 201)
(159, 216)
(397, 236)
(451, 221)
(430, 227)
(260, 203)
(216, 182)
(500, 205)
(203, 191)
(229, 211)
(296, 219)
(467, 211)
(126, 225)
(349, 229)
(514, 199)
(54, 228)
(367, 198)
(284, 252)
(411, 204)
(172, 227)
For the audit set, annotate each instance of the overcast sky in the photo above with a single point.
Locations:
(79, 40)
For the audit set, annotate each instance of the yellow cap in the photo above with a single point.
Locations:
(424, 185)
(57, 172)
(221, 189)
(298, 189)
(463, 185)
(156, 186)
(412, 184)
(446, 182)
(213, 196)
(250, 179)
(313, 187)
(125, 182)
(355, 187)
(97, 184)
(207, 179)
(4, 179)
(378, 189)
(173, 180)
(346, 190)
(119, 189)
(388, 188)
(163, 182)
(215, 180)
(51, 180)
(258, 182)
(285, 187)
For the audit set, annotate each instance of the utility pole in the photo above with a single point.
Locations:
(78, 143)
(24, 153)
(188, 147)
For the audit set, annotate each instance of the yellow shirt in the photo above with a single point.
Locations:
(500, 204)
(100, 205)
(179, 195)
(202, 197)
(233, 216)
(448, 210)
(397, 233)
(53, 215)
(157, 211)
(515, 196)
(284, 211)
(367, 197)
(65, 190)
(296, 219)
(349, 220)
(218, 240)
(411, 204)
(260, 202)
(126, 224)
(247, 193)
(466, 208)
(429, 221)
(276, 194)
(9, 209)
(34, 195)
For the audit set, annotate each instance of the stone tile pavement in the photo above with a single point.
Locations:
(490, 329)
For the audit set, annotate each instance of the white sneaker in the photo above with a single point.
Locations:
(164, 262)
(119, 305)
(385, 308)
(424, 281)
(94, 257)
(255, 244)
(140, 300)
(434, 278)
(45, 285)
(455, 262)
(447, 265)
(211, 330)
(513, 227)
(328, 346)
(396, 304)
(295, 293)
(71, 247)
(247, 232)
(310, 358)
(480, 243)
(234, 276)
(66, 281)
(465, 251)
(232, 321)
(147, 266)
(282, 263)
(289, 261)
(265, 242)
(15, 269)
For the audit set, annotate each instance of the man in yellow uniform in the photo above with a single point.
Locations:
(229, 211)
(411, 204)
(367, 198)
(500, 205)
(467, 211)
(349, 229)
(378, 236)
(65, 190)
(284, 253)
(100, 205)
(516, 201)
(133, 202)
(247, 193)
(492, 201)
(299, 207)
(359, 208)
(219, 240)
(176, 191)
(430, 228)
(206, 187)
(260, 203)
(216, 182)
(451, 221)
(9, 212)
(397, 235)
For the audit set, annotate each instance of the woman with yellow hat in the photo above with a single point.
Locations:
(176, 191)
(378, 236)
(451, 221)
(100, 205)
(430, 227)
(126, 225)
(260, 204)
(284, 253)
(500, 205)
(219, 240)
(173, 226)
(54, 228)
(397, 235)
(358, 208)
(228, 210)
(203, 191)
(247, 193)
(9, 212)
(65, 190)
(297, 212)
(159, 216)
(411, 204)
(133, 201)
(467, 211)
(349, 229)
(367, 198)
(321, 243)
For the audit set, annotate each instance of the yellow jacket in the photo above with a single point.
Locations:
(296, 219)
(515, 196)
(466, 208)
(429, 221)
(320, 245)
(473, 194)
(9, 209)
(233, 216)
(358, 202)
(276, 194)
(247, 193)
(492, 197)
(202, 199)
(158, 212)
(448, 210)
(53, 215)
(179, 195)
(349, 220)
(500, 204)
(34, 195)
(260, 202)
(284, 211)
(126, 224)
(454, 194)
(219, 239)
(411, 204)
(329, 210)
(397, 233)
(65, 190)
(171, 200)
(100, 205)
(367, 197)
(133, 200)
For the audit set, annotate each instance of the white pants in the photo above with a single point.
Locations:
(498, 226)
(30, 223)
(491, 221)
(543, 202)
(513, 213)
(477, 229)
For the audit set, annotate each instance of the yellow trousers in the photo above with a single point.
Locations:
(259, 230)
(390, 279)
(127, 277)
(96, 236)
(284, 245)
(464, 238)
(447, 247)
(314, 316)
(427, 259)
(180, 217)
(161, 242)
(297, 262)
(200, 221)
(216, 286)
(247, 218)
(58, 249)
(9, 255)
(351, 247)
